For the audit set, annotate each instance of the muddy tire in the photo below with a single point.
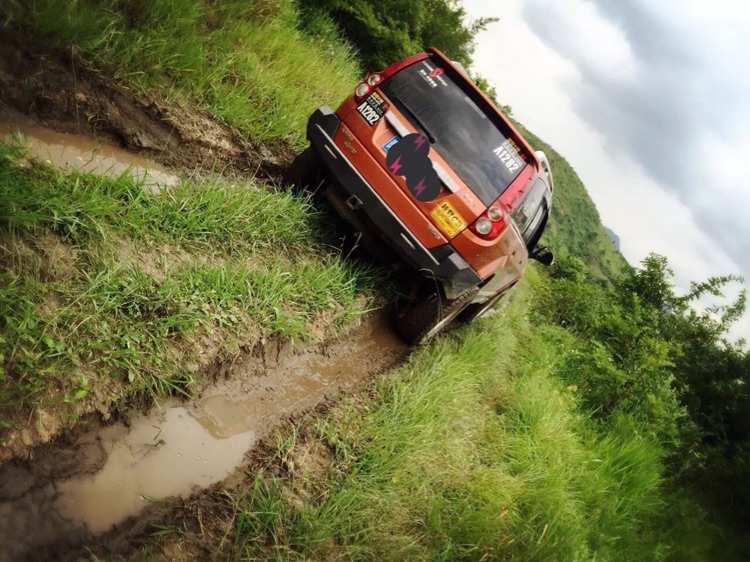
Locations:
(421, 321)
(305, 174)
(477, 310)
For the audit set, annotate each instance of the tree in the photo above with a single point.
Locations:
(390, 30)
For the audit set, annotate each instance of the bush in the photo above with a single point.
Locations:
(640, 350)
(619, 361)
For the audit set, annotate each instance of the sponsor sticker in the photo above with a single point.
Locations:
(371, 109)
(509, 156)
(448, 219)
(433, 75)
(387, 146)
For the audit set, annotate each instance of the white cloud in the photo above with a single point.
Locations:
(597, 43)
(640, 155)
(687, 90)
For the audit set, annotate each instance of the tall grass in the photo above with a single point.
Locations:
(210, 213)
(474, 450)
(246, 62)
(106, 285)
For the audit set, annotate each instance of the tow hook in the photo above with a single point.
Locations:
(353, 202)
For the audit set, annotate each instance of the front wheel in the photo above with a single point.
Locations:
(421, 321)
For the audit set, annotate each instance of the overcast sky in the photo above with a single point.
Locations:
(650, 103)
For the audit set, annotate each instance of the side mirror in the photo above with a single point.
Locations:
(543, 255)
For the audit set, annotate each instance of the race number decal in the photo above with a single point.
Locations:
(509, 156)
(372, 108)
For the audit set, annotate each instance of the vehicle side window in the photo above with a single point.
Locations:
(536, 229)
(531, 214)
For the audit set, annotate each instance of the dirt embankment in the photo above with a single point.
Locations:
(62, 91)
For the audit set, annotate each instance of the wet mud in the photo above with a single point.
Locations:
(81, 153)
(62, 91)
(69, 493)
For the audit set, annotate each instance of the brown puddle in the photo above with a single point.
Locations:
(110, 473)
(81, 153)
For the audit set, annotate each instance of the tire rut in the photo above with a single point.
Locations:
(100, 476)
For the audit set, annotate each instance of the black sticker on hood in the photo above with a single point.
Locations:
(409, 158)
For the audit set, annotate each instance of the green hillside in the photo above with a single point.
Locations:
(576, 228)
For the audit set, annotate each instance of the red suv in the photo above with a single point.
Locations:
(424, 164)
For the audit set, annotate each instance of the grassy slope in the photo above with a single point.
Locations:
(576, 228)
(473, 450)
(109, 290)
(139, 277)
(245, 62)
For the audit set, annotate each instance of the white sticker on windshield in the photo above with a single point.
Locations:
(508, 154)
(433, 75)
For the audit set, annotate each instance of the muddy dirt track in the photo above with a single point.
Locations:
(97, 476)
(100, 475)
(97, 482)
(62, 92)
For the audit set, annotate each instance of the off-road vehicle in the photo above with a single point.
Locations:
(422, 162)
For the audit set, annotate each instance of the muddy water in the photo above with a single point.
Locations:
(78, 152)
(110, 473)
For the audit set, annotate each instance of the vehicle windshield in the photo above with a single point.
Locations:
(476, 145)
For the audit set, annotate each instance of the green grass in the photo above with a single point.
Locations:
(212, 214)
(245, 62)
(474, 450)
(109, 288)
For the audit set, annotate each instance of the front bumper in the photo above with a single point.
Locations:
(442, 263)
